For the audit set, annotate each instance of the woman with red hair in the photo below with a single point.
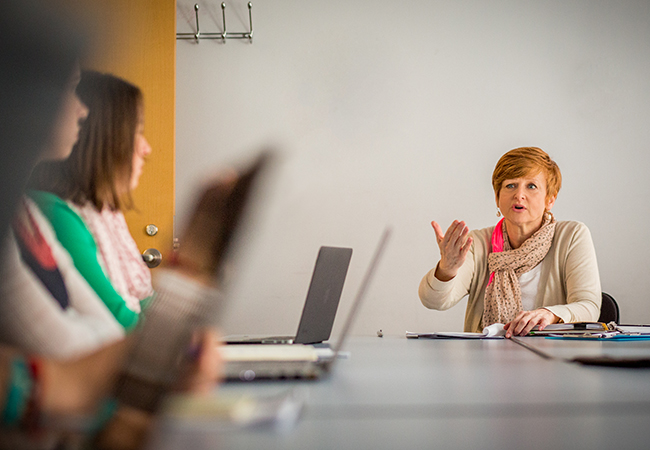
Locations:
(529, 270)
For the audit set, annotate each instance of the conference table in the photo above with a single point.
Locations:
(398, 393)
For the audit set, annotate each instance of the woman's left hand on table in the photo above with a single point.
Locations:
(526, 320)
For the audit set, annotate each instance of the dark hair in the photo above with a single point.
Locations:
(102, 159)
(39, 48)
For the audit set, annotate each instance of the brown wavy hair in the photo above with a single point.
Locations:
(524, 161)
(102, 160)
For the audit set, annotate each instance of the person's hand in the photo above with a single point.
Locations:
(526, 320)
(203, 242)
(210, 230)
(77, 387)
(454, 245)
(129, 427)
(205, 369)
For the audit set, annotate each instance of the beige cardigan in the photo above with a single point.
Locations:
(569, 284)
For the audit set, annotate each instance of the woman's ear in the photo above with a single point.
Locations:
(550, 202)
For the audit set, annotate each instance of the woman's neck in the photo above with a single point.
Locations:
(517, 234)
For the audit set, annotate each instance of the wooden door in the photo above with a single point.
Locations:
(136, 40)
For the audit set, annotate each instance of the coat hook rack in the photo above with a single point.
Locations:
(221, 36)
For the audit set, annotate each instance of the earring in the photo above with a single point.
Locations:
(498, 212)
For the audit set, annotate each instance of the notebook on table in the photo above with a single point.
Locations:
(254, 362)
(322, 301)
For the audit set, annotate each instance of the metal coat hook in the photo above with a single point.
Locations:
(223, 35)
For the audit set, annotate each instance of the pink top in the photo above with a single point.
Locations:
(497, 242)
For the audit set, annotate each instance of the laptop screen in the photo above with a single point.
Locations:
(324, 294)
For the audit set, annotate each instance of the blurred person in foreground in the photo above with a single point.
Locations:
(122, 384)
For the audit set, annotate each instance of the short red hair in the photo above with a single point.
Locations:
(524, 161)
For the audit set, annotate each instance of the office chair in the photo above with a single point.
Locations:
(609, 311)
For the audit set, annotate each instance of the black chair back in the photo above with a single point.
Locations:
(609, 311)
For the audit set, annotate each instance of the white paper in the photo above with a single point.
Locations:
(496, 329)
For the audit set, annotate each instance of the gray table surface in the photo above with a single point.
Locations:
(393, 392)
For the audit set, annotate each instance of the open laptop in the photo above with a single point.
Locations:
(321, 303)
(276, 362)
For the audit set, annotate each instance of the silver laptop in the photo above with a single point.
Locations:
(321, 303)
(254, 362)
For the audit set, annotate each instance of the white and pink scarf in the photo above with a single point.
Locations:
(118, 253)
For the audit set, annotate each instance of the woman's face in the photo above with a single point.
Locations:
(522, 201)
(67, 124)
(141, 149)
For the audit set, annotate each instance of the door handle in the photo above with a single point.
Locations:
(152, 257)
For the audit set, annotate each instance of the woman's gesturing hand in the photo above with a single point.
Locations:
(454, 245)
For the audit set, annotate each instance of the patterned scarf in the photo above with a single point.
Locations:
(503, 293)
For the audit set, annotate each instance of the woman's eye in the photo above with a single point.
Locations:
(532, 186)
(510, 186)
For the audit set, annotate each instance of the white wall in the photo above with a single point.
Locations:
(395, 112)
